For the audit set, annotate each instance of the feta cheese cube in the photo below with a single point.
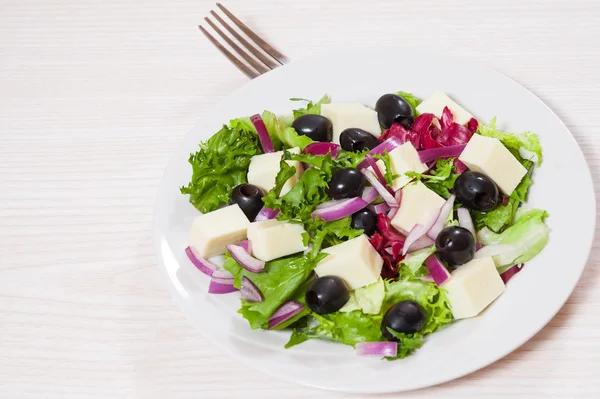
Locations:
(272, 239)
(355, 261)
(404, 158)
(263, 170)
(436, 104)
(472, 287)
(211, 232)
(489, 156)
(347, 115)
(417, 203)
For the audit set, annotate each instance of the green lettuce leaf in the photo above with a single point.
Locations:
(278, 282)
(525, 145)
(310, 108)
(387, 163)
(412, 100)
(413, 265)
(323, 234)
(347, 159)
(220, 165)
(441, 179)
(282, 135)
(528, 233)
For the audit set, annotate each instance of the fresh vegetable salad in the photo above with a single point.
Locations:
(369, 227)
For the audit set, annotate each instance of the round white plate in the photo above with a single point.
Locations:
(562, 186)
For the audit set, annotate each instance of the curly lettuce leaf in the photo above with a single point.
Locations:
(323, 234)
(528, 234)
(310, 108)
(412, 100)
(368, 299)
(282, 135)
(441, 179)
(278, 282)
(525, 145)
(346, 159)
(220, 165)
(413, 265)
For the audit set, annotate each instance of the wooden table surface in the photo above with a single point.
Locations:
(94, 97)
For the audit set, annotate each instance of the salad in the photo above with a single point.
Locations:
(370, 227)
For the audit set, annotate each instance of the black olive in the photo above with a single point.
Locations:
(249, 198)
(455, 245)
(316, 127)
(346, 183)
(357, 140)
(327, 294)
(392, 108)
(476, 191)
(406, 317)
(365, 219)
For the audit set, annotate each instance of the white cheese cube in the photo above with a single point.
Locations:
(211, 232)
(489, 156)
(272, 239)
(355, 261)
(436, 104)
(416, 205)
(263, 170)
(404, 158)
(472, 287)
(347, 115)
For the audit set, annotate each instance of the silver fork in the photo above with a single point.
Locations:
(265, 57)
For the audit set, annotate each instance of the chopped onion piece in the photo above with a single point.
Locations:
(386, 146)
(246, 260)
(221, 283)
(437, 270)
(370, 194)
(392, 212)
(263, 133)
(508, 274)
(340, 210)
(465, 220)
(381, 208)
(441, 152)
(249, 291)
(421, 243)
(420, 230)
(381, 189)
(386, 348)
(322, 148)
(204, 265)
(373, 164)
(247, 245)
(440, 223)
(285, 312)
(266, 214)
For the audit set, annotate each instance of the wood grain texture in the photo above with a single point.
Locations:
(94, 97)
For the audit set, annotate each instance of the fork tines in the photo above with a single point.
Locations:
(260, 60)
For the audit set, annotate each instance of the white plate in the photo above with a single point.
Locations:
(562, 186)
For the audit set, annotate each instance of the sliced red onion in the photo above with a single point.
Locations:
(465, 220)
(330, 203)
(381, 208)
(285, 312)
(392, 212)
(421, 243)
(441, 152)
(266, 214)
(440, 223)
(381, 189)
(246, 260)
(263, 133)
(204, 265)
(427, 278)
(322, 148)
(370, 194)
(420, 230)
(508, 274)
(221, 283)
(398, 197)
(247, 245)
(340, 210)
(373, 164)
(387, 146)
(437, 270)
(385, 348)
(250, 291)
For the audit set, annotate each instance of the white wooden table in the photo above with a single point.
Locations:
(94, 97)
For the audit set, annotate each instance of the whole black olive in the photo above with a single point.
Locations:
(455, 245)
(476, 191)
(346, 183)
(392, 108)
(406, 317)
(327, 294)
(357, 140)
(249, 198)
(365, 219)
(316, 127)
